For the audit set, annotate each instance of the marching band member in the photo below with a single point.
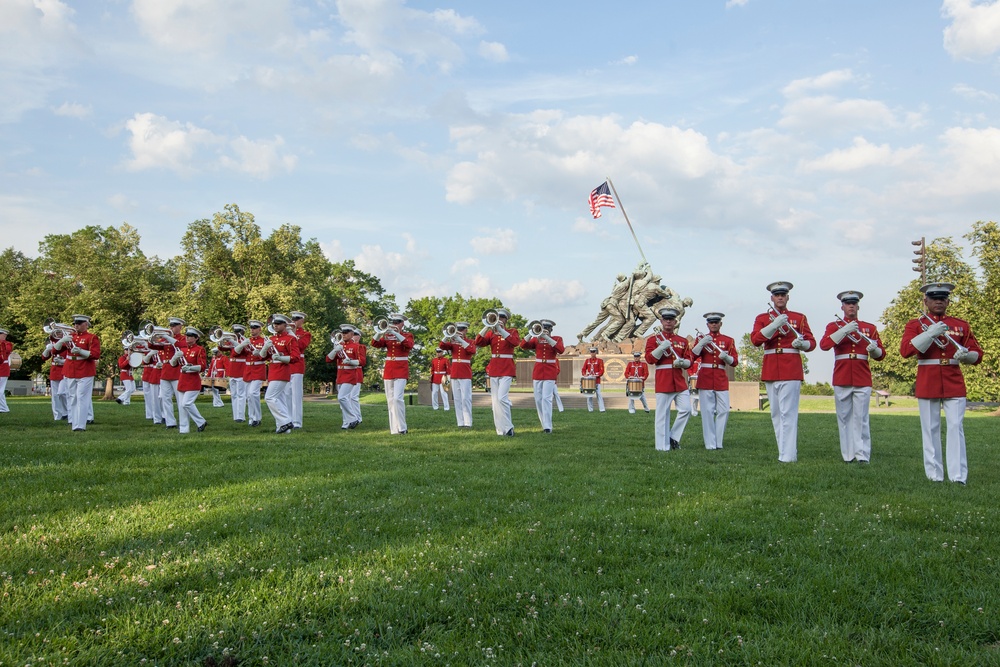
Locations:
(189, 382)
(547, 348)
(216, 371)
(501, 368)
(171, 353)
(298, 369)
(784, 334)
(397, 345)
(235, 370)
(255, 372)
(715, 351)
(5, 349)
(128, 381)
(79, 370)
(670, 355)
(853, 343)
(462, 351)
(350, 357)
(151, 386)
(941, 343)
(440, 368)
(637, 369)
(363, 357)
(283, 350)
(57, 385)
(594, 367)
(693, 386)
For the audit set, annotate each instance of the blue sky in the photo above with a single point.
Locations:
(449, 147)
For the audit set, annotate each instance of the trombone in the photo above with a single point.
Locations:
(856, 337)
(784, 329)
(945, 338)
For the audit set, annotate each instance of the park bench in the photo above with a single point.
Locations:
(881, 395)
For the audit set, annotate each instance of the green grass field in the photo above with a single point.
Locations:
(132, 545)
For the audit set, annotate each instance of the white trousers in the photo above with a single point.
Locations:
(217, 401)
(187, 412)
(295, 399)
(500, 397)
(642, 399)
(253, 399)
(600, 400)
(783, 397)
(930, 430)
(277, 402)
(238, 396)
(60, 402)
(3, 395)
(714, 416)
(168, 389)
(151, 396)
(852, 422)
(461, 391)
(81, 395)
(345, 398)
(544, 389)
(664, 432)
(557, 399)
(397, 407)
(129, 388)
(438, 391)
(695, 403)
(356, 398)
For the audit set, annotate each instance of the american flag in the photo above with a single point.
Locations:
(600, 196)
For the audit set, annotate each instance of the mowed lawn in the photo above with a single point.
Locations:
(132, 545)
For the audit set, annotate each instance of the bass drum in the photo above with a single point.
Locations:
(135, 359)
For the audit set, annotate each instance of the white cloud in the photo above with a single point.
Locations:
(334, 250)
(627, 60)
(975, 94)
(121, 202)
(73, 110)
(464, 265)
(974, 162)
(259, 159)
(795, 219)
(194, 26)
(538, 294)
(585, 226)
(158, 142)
(736, 3)
(825, 81)
(975, 28)
(828, 113)
(495, 242)
(860, 155)
(493, 51)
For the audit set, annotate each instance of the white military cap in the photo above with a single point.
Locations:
(278, 318)
(298, 315)
(637, 354)
(850, 296)
(503, 312)
(347, 328)
(439, 351)
(357, 331)
(713, 317)
(191, 331)
(255, 324)
(547, 324)
(668, 313)
(238, 327)
(77, 319)
(397, 317)
(461, 326)
(592, 349)
(175, 321)
(780, 287)
(938, 290)
(3, 331)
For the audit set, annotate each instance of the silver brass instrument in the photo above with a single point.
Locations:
(662, 338)
(337, 337)
(535, 328)
(450, 331)
(226, 340)
(944, 339)
(491, 319)
(158, 335)
(381, 326)
(855, 337)
(57, 330)
(785, 328)
(127, 339)
(712, 347)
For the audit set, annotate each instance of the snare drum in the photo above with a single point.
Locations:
(633, 387)
(588, 385)
(135, 359)
(216, 383)
(15, 361)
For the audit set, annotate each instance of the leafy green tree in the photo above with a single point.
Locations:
(16, 272)
(983, 380)
(751, 361)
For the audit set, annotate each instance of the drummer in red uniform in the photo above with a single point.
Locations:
(854, 344)
(397, 344)
(80, 369)
(546, 371)
(593, 367)
(783, 334)
(216, 372)
(940, 384)
(189, 382)
(125, 375)
(715, 351)
(501, 368)
(462, 351)
(440, 370)
(671, 356)
(637, 369)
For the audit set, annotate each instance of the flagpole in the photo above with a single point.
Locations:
(622, 207)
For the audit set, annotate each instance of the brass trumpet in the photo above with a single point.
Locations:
(226, 340)
(712, 347)
(942, 340)
(785, 328)
(856, 337)
(450, 331)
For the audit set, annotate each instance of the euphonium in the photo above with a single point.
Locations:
(57, 330)
(226, 340)
(158, 335)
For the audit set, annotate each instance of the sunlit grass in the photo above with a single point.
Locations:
(132, 545)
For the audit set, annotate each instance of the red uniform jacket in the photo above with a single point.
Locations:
(304, 337)
(501, 352)
(461, 359)
(285, 345)
(593, 368)
(217, 367)
(546, 363)
(255, 366)
(397, 356)
(669, 380)
(6, 347)
(193, 356)
(781, 360)
(637, 370)
(712, 372)
(78, 367)
(850, 360)
(237, 363)
(938, 374)
(166, 352)
(124, 368)
(58, 360)
(439, 369)
(351, 374)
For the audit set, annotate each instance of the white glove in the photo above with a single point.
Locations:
(873, 350)
(47, 352)
(79, 352)
(682, 363)
(726, 358)
(700, 345)
(483, 332)
(463, 343)
(503, 333)
(63, 342)
(379, 336)
(548, 339)
(923, 340)
(352, 362)
(395, 334)
(772, 328)
(800, 344)
(661, 349)
(150, 356)
(282, 358)
(967, 356)
(159, 365)
(242, 345)
(188, 368)
(841, 333)
(177, 358)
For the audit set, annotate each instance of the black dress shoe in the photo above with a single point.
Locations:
(118, 401)
(171, 425)
(202, 427)
(284, 428)
(79, 429)
(353, 424)
(674, 444)
(546, 430)
(239, 421)
(90, 421)
(254, 424)
(509, 434)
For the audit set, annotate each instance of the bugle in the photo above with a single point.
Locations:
(535, 328)
(449, 332)
(784, 328)
(661, 337)
(128, 338)
(381, 326)
(491, 318)
(226, 340)
(855, 337)
(944, 339)
(712, 347)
